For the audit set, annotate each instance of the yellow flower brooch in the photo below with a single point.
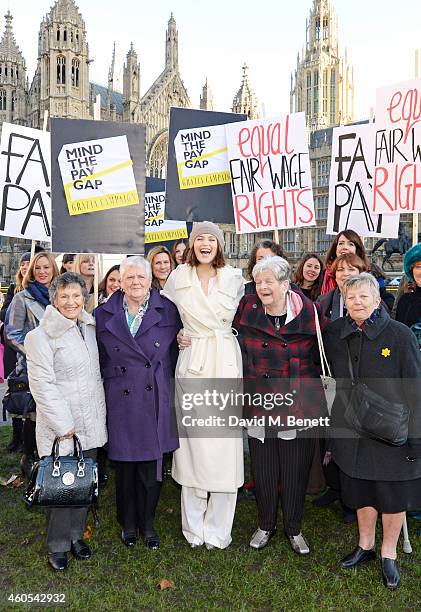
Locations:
(386, 352)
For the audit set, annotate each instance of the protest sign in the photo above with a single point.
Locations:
(97, 175)
(209, 201)
(25, 183)
(113, 224)
(351, 185)
(397, 173)
(270, 174)
(202, 158)
(158, 229)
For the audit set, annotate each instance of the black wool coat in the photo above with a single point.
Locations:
(389, 362)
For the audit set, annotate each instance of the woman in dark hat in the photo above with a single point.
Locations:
(408, 310)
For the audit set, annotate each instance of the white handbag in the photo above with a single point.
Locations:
(328, 382)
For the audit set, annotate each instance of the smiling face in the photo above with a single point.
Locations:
(23, 267)
(113, 283)
(135, 283)
(87, 268)
(345, 246)
(344, 271)
(43, 271)
(205, 248)
(269, 290)
(311, 270)
(70, 301)
(161, 266)
(416, 273)
(179, 252)
(360, 303)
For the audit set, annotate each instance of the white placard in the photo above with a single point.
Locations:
(25, 183)
(351, 185)
(270, 174)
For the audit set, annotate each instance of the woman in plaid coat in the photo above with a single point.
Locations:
(277, 335)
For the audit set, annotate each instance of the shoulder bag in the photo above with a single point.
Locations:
(328, 382)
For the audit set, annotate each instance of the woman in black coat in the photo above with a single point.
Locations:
(375, 476)
(408, 310)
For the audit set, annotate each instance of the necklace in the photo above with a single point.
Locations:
(277, 318)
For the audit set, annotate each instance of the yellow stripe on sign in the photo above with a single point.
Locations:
(154, 218)
(164, 235)
(204, 156)
(102, 173)
(205, 180)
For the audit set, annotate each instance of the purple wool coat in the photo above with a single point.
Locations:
(137, 375)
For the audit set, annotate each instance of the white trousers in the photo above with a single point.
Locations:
(207, 519)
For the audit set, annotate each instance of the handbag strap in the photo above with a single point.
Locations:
(323, 359)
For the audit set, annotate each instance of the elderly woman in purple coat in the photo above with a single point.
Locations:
(136, 332)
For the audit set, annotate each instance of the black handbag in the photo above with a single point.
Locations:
(70, 481)
(18, 399)
(373, 416)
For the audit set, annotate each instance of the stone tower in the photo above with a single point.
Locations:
(245, 101)
(206, 97)
(131, 87)
(171, 45)
(322, 85)
(12, 78)
(61, 81)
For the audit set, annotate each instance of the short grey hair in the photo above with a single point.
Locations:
(279, 267)
(62, 281)
(136, 261)
(360, 280)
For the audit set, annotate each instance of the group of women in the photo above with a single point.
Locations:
(208, 326)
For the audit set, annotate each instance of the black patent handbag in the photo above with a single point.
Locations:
(69, 481)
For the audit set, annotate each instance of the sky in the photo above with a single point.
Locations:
(217, 37)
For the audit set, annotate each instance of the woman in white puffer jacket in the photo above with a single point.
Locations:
(65, 381)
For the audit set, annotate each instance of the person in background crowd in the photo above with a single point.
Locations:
(405, 286)
(387, 298)
(178, 251)
(210, 470)
(277, 333)
(68, 263)
(345, 242)
(261, 249)
(408, 310)
(375, 477)
(65, 381)
(24, 314)
(85, 266)
(9, 355)
(309, 275)
(162, 265)
(109, 284)
(136, 330)
(344, 266)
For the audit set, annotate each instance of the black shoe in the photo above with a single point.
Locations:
(58, 561)
(80, 550)
(102, 478)
(128, 538)
(26, 463)
(390, 573)
(151, 540)
(15, 444)
(357, 557)
(326, 499)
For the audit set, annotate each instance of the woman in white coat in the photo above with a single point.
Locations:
(65, 381)
(210, 469)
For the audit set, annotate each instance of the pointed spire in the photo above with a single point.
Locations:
(206, 97)
(111, 70)
(171, 45)
(245, 100)
(8, 45)
(65, 10)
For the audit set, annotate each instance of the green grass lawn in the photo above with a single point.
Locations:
(237, 578)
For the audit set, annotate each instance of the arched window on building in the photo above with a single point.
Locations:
(317, 29)
(13, 101)
(158, 157)
(58, 34)
(333, 96)
(61, 70)
(325, 73)
(75, 72)
(3, 100)
(71, 35)
(308, 106)
(316, 92)
(325, 28)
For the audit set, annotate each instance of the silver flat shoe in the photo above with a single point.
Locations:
(299, 544)
(260, 538)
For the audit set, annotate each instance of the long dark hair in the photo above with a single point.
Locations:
(102, 287)
(299, 276)
(352, 237)
(262, 244)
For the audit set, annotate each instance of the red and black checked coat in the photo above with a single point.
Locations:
(284, 361)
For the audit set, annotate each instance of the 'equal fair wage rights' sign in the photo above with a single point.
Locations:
(270, 174)
(397, 175)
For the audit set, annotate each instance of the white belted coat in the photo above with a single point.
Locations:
(212, 464)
